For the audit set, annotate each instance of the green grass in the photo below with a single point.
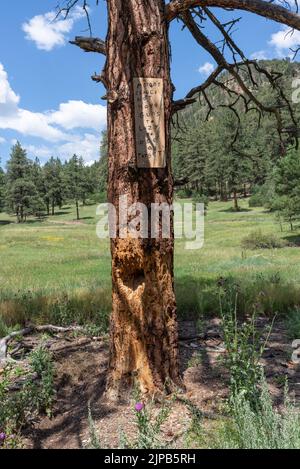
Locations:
(59, 270)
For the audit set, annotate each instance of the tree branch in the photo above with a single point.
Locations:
(260, 7)
(243, 92)
(181, 104)
(90, 44)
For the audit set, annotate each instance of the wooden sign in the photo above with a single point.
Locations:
(149, 122)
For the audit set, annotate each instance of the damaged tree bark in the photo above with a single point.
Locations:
(143, 344)
(143, 341)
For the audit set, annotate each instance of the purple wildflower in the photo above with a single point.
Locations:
(139, 406)
(2, 437)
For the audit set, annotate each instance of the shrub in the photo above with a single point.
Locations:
(94, 442)
(19, 407)
(259, 240)
(200, 199)
(3, 328)
(148, 427)
(244, 349)
(262, 196)
(256, 201)
(184, 193)
(41, 363)
(262, 428)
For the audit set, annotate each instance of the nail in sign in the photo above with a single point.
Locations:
(149, 122)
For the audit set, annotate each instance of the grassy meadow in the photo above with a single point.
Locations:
(57, 270)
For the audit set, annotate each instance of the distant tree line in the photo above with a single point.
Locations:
(28, 188)
(225, 153)
(219, 153)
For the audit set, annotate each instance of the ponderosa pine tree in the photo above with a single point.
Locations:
(76, 183)
(287, 188)
(233, 147)
(54, 184)
(38, 178)
(21, 192)
(143, 339)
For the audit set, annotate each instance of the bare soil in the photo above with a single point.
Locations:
(81, 373)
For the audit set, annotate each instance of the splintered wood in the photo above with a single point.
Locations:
(149, 122)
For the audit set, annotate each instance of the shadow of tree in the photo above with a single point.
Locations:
(5, 222)
(294, 240)
(232, 210)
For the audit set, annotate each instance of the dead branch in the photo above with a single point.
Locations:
(181, 104)
(5, 341)
(263, 8)
(65, 7)
(100, 79)
(227, 39)
(90, 44)
(244, 93)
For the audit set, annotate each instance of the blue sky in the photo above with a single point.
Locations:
(47, 99)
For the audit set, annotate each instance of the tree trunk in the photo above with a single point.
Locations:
(53, 208)
(223, 192)
(235, 201)
(143, 341)
(77, 210)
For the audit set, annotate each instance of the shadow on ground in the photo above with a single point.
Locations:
(81, 366)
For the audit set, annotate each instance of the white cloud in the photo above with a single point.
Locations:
(21, 120)
(48, 32)
(284, 39)
(54, 126)
(9, 100)
(260, 55)
(87, 146)
(31, 124)
(74, 114)
(2, 140)
(42, 152)
(279, 44)
(48, 125)
(206, 69)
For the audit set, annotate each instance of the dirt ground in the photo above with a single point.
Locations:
(80, 379)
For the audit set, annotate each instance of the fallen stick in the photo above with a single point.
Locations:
(5, 341)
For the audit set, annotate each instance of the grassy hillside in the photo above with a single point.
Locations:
(58, 270)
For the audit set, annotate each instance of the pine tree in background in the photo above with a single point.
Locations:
(287, 188)
(217, 163)
(87, 182)
(75, 181)
(258, 143)
(21, 193)
(54, 184)
(232, 144)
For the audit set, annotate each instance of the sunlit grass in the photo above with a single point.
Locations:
(45, 260)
